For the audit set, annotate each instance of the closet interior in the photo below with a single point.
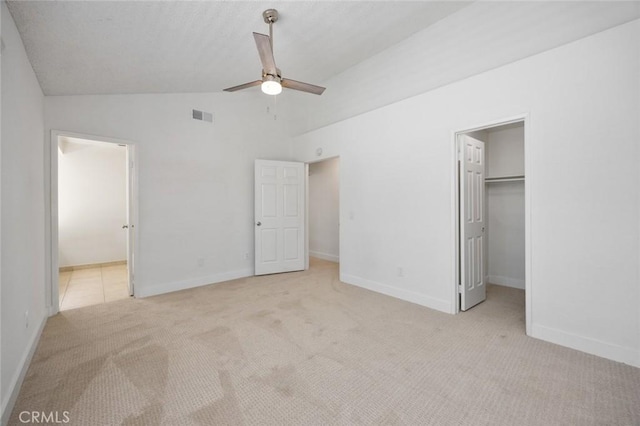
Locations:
(504, 205)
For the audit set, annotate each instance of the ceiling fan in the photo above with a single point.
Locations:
(272, 81)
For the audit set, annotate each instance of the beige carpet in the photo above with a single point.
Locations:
(303, 348)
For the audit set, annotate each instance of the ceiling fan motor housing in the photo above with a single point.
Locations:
(271, 77)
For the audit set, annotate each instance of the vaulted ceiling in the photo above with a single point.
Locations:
(108, 47)
(367, 53)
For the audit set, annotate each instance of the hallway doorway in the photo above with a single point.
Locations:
(93, 207)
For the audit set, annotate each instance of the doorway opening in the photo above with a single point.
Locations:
(92, 220)
(297, 215)
(492, 216)
(323, 217)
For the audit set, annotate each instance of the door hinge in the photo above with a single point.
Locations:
(130, 164)
(459, 288)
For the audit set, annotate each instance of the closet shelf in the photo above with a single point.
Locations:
(505, 179)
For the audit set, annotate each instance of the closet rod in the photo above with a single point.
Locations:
(505, 179)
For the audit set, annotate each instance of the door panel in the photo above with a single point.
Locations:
(291, 237)
(291, 201)
(269, 208)
(473, 288)
(269, 245)
(279, 217)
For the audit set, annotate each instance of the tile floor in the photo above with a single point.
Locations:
(86, 287)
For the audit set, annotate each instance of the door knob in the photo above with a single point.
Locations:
(125, 226)
(259, 223)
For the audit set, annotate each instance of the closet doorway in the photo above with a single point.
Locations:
(491, 214)
(323, 210)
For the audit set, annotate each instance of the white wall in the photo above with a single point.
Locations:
(480, 37)
(506, 234)
(505, 151)
(396, 171)
(324, 205)
(22, 213)
(92, 203)
(505, 207)
(195, 178)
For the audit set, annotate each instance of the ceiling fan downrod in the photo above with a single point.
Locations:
(270, 16)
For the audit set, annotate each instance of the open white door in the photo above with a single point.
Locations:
(472, 222)
(130, 217)
(279, 217)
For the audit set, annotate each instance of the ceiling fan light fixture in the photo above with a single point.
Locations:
(272, 81)
(271, 85)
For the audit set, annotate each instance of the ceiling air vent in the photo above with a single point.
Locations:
(202, 116)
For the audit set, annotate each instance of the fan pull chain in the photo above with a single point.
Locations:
(275, 108)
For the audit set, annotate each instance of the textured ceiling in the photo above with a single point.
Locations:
(482, 36)
(98, 47)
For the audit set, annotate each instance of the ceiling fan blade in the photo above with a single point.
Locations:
(263, 43)
(243, 86)
(303, 87)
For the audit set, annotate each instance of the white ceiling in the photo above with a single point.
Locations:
(111, 47)
(478, 38)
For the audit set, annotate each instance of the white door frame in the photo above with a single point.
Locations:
(306, 217)
(52, 249)
(524, 118)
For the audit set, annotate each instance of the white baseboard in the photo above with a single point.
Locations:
(584, 344)
(506, 281)
(398, 293)
(91, 265)
(325, 256)
(146, 291)
(9, 400)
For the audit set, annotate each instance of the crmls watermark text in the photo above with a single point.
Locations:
(36, 417)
